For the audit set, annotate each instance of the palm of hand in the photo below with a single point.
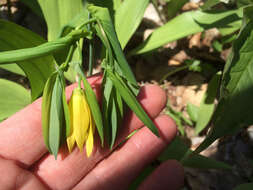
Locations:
(26, 164)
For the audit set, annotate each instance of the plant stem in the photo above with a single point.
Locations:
(90, 51)
(173, 72)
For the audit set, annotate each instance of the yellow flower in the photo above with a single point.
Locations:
(82, 125)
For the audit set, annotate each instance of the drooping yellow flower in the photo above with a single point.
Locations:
(82, 125)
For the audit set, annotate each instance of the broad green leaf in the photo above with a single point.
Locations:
(178, 150)
(14, 68)
(92, 101)
(103, 16)
(192, 111)
(186, 24)
(59, 13)
(34, 6)
(235, 107)
(207, 106)
(56, 117)
(37, 70)
(13, 97)
(127, 18)
(45, 110)
(245, 186)
(131, 101)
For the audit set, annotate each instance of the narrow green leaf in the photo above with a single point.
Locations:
(56, 117)
(192, 111)
(245, 186)
(102, 14)
(131, 101)
(92, 101)
(13, 97)
(177, 150)
(37, 70)
(114, 120)
(236, 90)
(14, 68)
(107, 93)
(186, 24)
(207, 106)
(127, 18)
(46, 105)
(65, 107)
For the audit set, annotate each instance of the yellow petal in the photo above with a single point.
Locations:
(89, 142)
(71, 142)
(80, 117)
(90, 139)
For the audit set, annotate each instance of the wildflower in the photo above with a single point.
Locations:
(82, 125)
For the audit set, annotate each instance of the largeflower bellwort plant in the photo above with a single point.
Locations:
(75, 122)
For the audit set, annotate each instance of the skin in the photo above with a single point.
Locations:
(25, 163)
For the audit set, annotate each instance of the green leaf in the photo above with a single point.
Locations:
(45, 110)
(56, 117)
(59, 13)
(65, 108)
(14, 68)
(245, 186)
(13, 97)
(131, 101)
(192, 111)
(92, 101)
(103, 16)
(186, 24)
(37, 70)
(178, 150)
(207, 105)
(236, 91)
(127, 18)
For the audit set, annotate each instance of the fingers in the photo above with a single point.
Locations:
(76, 165)
(16, 178)
(169, 175)
(124, 164)
(21, 134)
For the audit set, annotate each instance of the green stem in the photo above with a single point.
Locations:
(65, 65)
(173, 72)
(90, 51)
(47, 48)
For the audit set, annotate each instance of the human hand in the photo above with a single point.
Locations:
(25, 163)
